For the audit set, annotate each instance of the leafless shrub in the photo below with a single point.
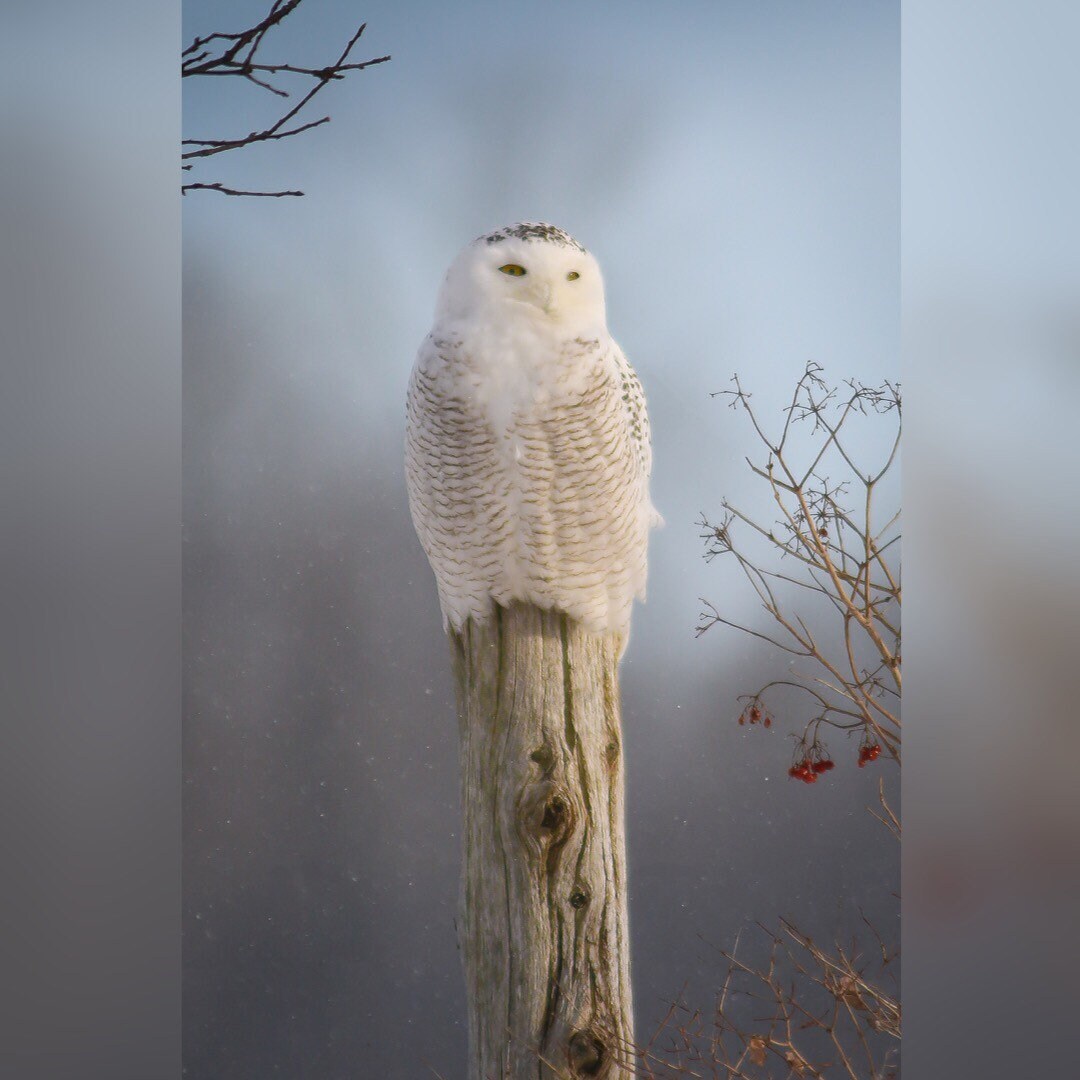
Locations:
(832, 1012)
(831, 547)
(236, 55)
(820, 1013)
(827, 1013)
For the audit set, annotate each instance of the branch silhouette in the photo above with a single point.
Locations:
(236, 55)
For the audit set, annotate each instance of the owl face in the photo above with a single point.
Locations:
(526, 271)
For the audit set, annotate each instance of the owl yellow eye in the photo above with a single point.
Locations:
(513, 270)
(573, 276)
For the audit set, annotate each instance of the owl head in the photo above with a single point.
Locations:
(528, 271)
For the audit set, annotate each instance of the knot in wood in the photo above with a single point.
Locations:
(544, 757)
(546, 811)
(611, 756)
(579, 898)
(554, 810)
(586, 1054)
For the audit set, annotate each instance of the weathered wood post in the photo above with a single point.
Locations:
(543, 922)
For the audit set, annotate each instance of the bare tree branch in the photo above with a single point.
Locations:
(843, 559)
(233, 191)
(823, 1012)
(234, 55)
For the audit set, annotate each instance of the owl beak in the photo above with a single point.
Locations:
(545, 298)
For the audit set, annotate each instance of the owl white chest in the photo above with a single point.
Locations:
(518, 371)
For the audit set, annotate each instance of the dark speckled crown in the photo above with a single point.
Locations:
(533, 230)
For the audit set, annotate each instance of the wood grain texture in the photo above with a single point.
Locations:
(543, 921)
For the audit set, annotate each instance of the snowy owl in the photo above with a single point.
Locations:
(527, 445)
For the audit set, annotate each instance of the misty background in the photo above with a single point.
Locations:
(735, 169)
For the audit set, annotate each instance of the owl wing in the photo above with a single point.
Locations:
(637, 416)
(584, 522)
(457, 492)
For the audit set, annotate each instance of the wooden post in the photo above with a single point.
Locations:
(543, 921)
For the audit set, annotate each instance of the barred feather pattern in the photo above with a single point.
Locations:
(527, 468)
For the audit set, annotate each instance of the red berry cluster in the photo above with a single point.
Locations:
(809, 768)
(869, 751)
(754, 715)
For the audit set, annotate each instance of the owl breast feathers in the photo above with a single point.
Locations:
(527, 439)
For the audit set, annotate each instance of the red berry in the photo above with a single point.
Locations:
(755, 714)
(768, 721)
(742, 719)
